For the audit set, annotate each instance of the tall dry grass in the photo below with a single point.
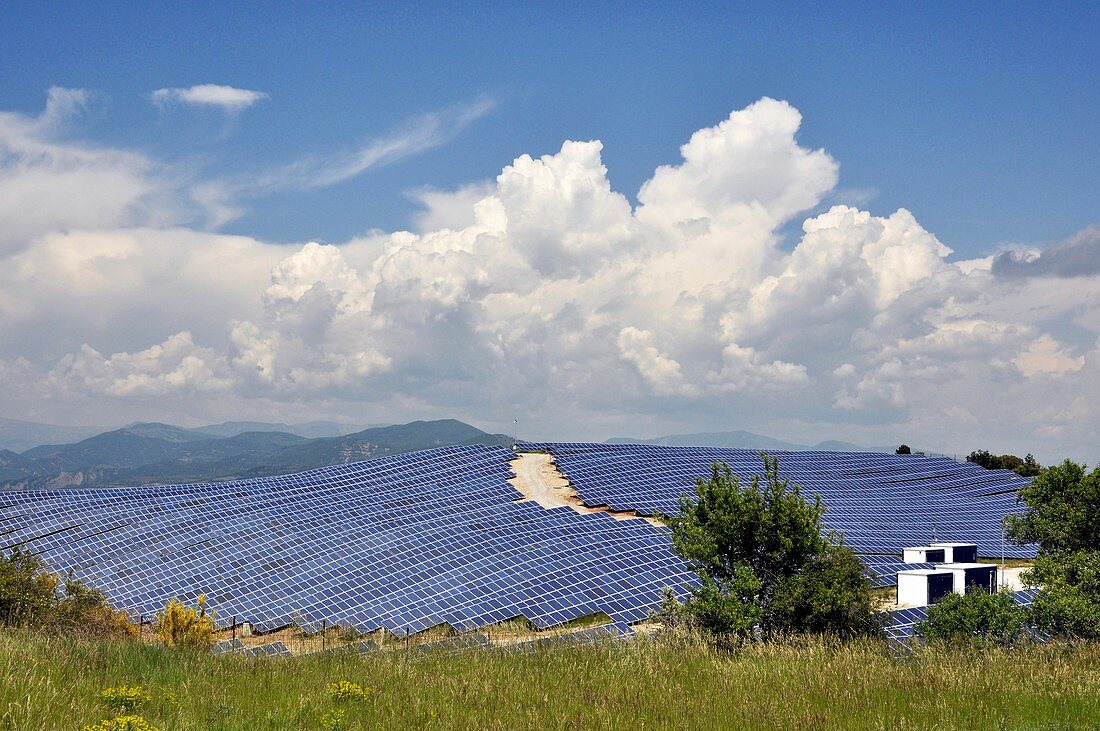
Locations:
(801, 684)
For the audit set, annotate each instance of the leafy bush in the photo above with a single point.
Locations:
(1062, 515)
(1069, 604)
(976, 618)
(829, 595)
(334, 720)
(124, 698)
(345, 691)
(766, 567)
(182, 627)
(123, 723)
(32, 596)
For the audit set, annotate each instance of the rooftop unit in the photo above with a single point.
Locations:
(958, 552)
(970, 575)
(924, 554)
(921, 587)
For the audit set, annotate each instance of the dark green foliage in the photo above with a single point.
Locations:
(27, 591)
(903, 449)
(1069, 604)
(976, 618)
(1026, 467)
(1062, 512)
(1062, 515)
(829, 595)
(31, 596)
(765, 565)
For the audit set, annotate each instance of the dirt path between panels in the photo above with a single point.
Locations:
(537, 478)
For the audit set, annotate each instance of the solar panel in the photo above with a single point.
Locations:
(269, 650)
(613, 631)
(879, 503)
(437, 537)
(402, 543)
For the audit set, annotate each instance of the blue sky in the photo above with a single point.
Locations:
(869, 222)
(982, 123)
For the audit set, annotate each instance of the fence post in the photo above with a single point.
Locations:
(141, 626)
(406, 639)
(234, 628)
(324, 625)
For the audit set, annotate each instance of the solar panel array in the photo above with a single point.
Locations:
(402, 543)
(436, 537)
(881, 503)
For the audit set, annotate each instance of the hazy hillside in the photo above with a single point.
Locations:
(19, 436)
(745, 440)
(310, 430)
(159, 453)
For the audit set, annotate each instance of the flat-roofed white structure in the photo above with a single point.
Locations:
(970, 575)
(924, 554)
(921, 587)
(958, 552)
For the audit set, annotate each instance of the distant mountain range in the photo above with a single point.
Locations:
(158, 453)
(150, 453)
(745, 440)
(19, 436)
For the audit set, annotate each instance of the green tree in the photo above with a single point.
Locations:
(1062, 510)
(1027, 467)
(976, 618)
(765, 564)
(983, 458)
(1030, 467)
(903, 449)
(27, 591)
(1062, 515)
(1069, 604)
(32, 596)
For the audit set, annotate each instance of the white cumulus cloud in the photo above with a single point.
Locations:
(227, 98)
(546, 294)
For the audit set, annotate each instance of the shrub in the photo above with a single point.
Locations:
(334, 720)
(675, 625)
(828, 596)
(123, 723)
(124, 698)
(32, 596)
(182, 627)
(82, 610)
(28, 592)
(976, 618)
(1069, 604)
(345, 691)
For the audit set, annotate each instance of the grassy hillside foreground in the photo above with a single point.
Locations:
(55, 684)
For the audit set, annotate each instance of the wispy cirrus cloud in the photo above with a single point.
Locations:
(227, 98)
(417, 135)
(222, 198)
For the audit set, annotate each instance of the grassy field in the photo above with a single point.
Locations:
(55, 684)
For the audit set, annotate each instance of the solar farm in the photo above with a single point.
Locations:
(441, 538)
